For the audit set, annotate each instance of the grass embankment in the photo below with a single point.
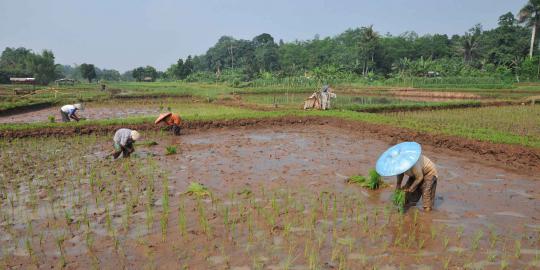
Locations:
(518, 125)
(56, 95)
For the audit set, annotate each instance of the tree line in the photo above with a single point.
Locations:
(507, 51)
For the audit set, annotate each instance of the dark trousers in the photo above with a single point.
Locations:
(124, 150)
(175, 130)
(65, 116)
(425, 190)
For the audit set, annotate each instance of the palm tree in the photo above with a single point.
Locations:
(469, 47)
(530, 15)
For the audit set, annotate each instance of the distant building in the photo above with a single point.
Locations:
(22, 80)
(65, 81)
(148, 79)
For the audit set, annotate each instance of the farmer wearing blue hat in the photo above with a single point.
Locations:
(406, 159)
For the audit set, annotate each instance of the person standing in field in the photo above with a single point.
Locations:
(123, 142)
(326, 95)
(172, 120)
(69, 112)
(406, 159)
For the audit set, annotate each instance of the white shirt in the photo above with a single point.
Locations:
(67, 108)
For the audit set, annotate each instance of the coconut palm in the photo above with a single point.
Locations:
(530, 15)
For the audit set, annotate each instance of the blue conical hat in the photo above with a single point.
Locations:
(398, 158)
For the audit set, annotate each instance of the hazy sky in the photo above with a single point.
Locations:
(123, 34)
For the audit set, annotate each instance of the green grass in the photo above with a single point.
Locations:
(508, 125)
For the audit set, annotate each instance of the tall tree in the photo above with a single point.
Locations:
(530, 16)
(369, 40)
(43, 67)
(88, 71)
(470, 44)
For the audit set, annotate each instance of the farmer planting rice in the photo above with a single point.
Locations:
(123, 142)
(69, 112)
(406, 159)
(172, 120)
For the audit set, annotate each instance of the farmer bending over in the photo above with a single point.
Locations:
(68, 112)
(123, 142)
(172, 120)
(406, 159)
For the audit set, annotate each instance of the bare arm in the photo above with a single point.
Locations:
(75, 117)
(418, 177)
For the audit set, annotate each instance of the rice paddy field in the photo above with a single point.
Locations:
(254, 182)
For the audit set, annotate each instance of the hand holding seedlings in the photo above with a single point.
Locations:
(406, 159)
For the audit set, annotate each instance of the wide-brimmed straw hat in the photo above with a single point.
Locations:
(398, 158)
(78, 106)
(161, 117)
(135, 135)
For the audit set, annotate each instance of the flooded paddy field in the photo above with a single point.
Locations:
(272, 198)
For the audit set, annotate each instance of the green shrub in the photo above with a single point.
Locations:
(52, 119)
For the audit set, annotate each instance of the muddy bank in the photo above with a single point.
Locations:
(26, 108)
(510, 156)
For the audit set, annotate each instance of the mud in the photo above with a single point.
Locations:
(470, 194)
(122, 110)
(513, 157)
(287, 165)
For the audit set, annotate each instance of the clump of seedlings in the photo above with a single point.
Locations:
(197, 189)
(373, 181)
(398, 199)
(170, 150)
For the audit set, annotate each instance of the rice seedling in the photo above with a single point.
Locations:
(398, 199)
(197, 189)
(170, 150)
(517, 249)
(459, 232)
(433, 232)
(476, 239)
(446, 262)
(446, 240)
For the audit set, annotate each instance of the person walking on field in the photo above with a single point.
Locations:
(69, 112)
(406, 159)
(123, 142)
(172, 120)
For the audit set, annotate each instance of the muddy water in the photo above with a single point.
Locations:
(321, 157)
(291, 171)
(91, 112)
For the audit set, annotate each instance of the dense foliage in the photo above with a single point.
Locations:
(21, 62)
(366, 53)
(507, 52)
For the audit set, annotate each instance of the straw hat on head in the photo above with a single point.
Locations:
(162, 117)
(78, 106)
(135, 135)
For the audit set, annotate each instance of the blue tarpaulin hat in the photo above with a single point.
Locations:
(398, 158)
